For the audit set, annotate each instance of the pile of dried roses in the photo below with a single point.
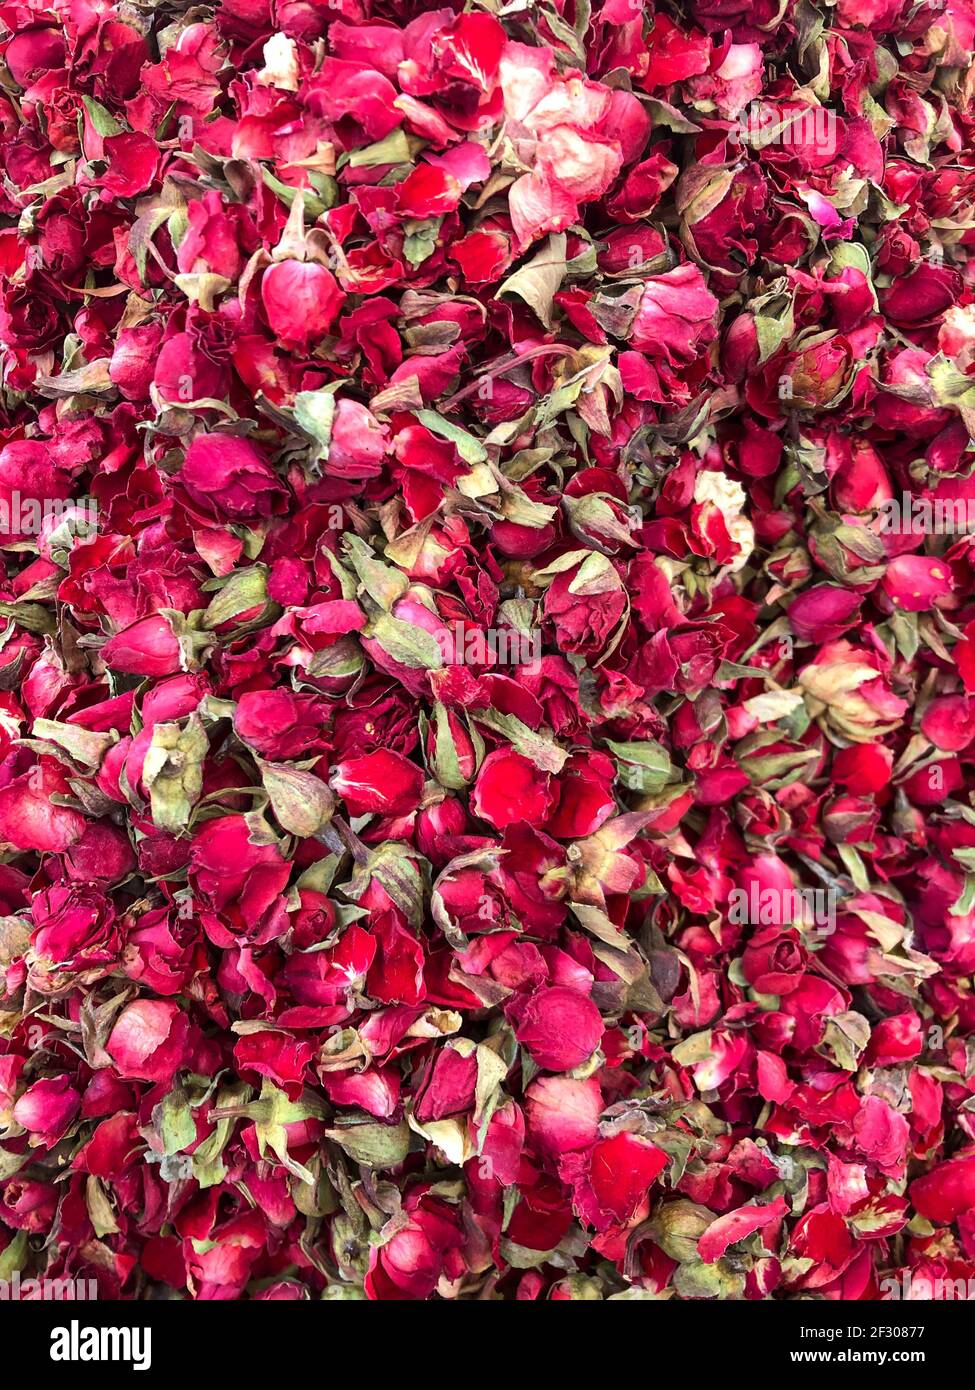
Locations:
(487, 726)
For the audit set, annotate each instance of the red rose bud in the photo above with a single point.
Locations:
(949, 722)
(29, 1206)
(563, 1113)
(740, 348)
(301, 300)
(933, 784)
(814, 379)
(275, 1056)
(277, 724)
(766, 875)
(358, 443)
(622, 1170)
(865, 767)
(383, 782)
(185, 370)
(150, 1041)
(861, 483)
(896, 1040)
(47, 1108)
(427, 1243)
(149, 647)
(946, 1192)
(483, 256)
(230, 478)
(437, 824)
(447, 1085)
(560, 1028)
(774, 960)
(161, 952)
(451, 750)
(915, 583)
(511, 788)
(314, 919)
(919, 297)
(759, 453)
(133, 364)
(675, 318)
(174, 698)
(30, 820)
(824, 613)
